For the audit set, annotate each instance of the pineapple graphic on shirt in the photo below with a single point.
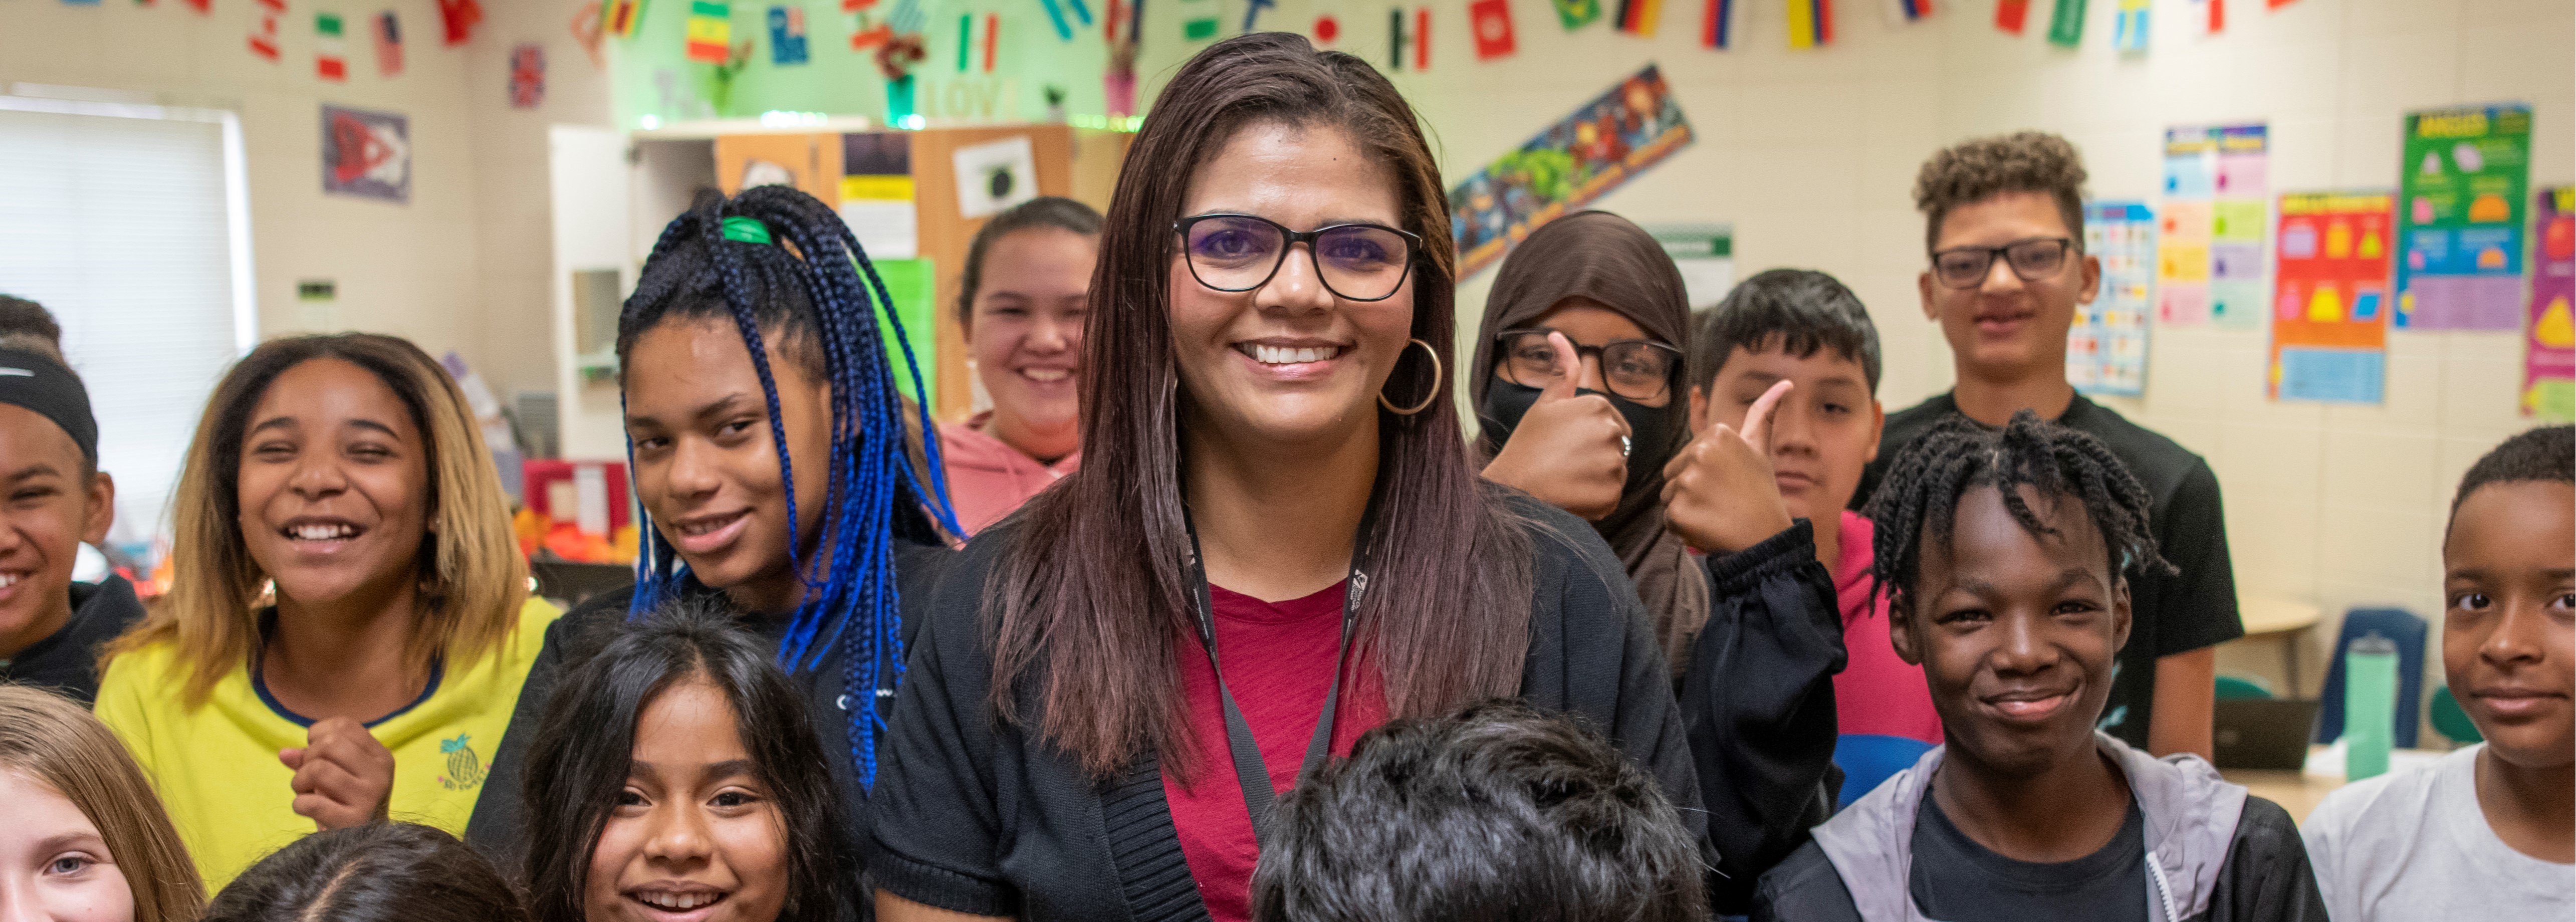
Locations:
(464, 768)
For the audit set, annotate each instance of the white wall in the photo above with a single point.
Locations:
(1812, 156)
(463, 265)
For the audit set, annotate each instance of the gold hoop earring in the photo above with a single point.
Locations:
(1427, 398)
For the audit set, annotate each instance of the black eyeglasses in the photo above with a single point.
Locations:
(1240, 252)
(1637, 369)
(2031, 261)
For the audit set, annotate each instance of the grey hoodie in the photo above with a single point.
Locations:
(2213, 852)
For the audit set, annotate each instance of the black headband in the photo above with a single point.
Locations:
(35, 381)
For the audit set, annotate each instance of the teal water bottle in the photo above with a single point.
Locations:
(2369, 706)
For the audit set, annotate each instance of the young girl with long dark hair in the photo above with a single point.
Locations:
(675, 775)
(771, 457)
(1276, 540)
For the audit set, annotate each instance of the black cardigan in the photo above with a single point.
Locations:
(974, 816)
(499, 824)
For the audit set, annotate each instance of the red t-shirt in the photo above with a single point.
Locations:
(1278, 662)
(1876, 693)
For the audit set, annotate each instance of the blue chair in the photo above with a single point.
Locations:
(2401, 628)
(1868, 758)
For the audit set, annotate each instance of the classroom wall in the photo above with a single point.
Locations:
(462, 266)
(1812, 154)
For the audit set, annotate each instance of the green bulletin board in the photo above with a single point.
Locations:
(908, 282)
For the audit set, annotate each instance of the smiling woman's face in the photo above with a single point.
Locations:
(334, 484)
(1290, 362)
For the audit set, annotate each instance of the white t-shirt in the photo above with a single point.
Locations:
(2413, 845)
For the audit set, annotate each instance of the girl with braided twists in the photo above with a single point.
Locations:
(2006, 556)
(772, 455)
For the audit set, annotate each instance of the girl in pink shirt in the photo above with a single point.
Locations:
(1021, 304)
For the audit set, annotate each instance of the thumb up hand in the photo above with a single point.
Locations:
(1719, 495)
(1570, 450)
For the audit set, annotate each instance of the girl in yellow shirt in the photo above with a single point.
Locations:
(347, 473)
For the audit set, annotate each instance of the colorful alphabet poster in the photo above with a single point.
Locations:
(1571, 164)
(2106, 353)
(2210, 257)
(2460, 198)
(2549, 364)
(2330, 315)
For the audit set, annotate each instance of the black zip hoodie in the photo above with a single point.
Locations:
(66, 662)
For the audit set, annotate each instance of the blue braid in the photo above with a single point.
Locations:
(856, 609)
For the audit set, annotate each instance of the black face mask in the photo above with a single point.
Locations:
(1649, 428)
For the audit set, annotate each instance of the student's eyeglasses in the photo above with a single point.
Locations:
(1240, 252)
(2031, 261)
(1637, 369)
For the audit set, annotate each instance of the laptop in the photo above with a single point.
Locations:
(2269, 734)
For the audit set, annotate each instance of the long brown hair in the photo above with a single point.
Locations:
(473, 580)
(51, 740)
(1091, 597)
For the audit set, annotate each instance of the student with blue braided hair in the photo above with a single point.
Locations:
(771, 456)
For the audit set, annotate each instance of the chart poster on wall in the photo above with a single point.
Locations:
(366, 154)
(2106, 352)
(2210, 261)
(2549, 359)
(1571, 164)
(2464, 174)
(2330, 314)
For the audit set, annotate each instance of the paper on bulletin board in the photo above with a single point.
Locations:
(908, 283)
(2330, 314)
(1705, 254)
(2106, 352)
(1572, 163)
(2549, 359)
(2216, 213)
(995, 175)
(877, 194)
(2462, 180)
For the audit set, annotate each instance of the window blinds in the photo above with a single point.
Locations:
(127, 223)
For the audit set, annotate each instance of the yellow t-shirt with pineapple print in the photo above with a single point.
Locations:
(216, 765)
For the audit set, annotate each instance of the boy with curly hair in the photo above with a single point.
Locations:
(2004, 227)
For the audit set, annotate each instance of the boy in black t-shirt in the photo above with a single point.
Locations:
(53, 498)
(2005, 228)
(2005, 554)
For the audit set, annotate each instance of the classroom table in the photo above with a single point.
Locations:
(2287, 621)
(2299, 791)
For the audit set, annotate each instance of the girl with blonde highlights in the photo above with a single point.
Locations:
(54, 755)
(346, 474)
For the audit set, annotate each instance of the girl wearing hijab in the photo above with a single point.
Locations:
(1579, 390)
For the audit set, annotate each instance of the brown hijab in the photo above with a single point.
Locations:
(1604, 257)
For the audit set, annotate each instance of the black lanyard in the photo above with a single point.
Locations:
(1250, 771)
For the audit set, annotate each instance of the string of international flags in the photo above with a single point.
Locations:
(895, 26)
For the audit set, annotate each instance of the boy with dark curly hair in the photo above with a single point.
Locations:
(2004, 227)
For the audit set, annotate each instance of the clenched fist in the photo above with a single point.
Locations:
(343, 777)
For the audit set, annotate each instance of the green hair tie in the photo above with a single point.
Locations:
(747, 230)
